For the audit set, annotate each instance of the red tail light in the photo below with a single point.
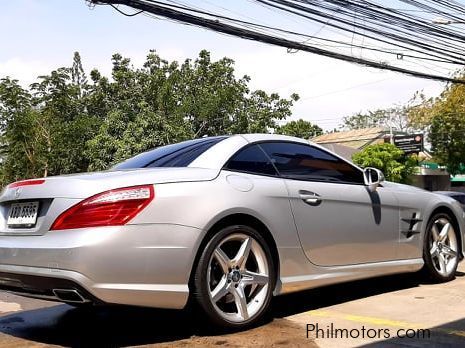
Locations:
(110, 208)
(26, 183)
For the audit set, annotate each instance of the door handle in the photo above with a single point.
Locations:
(310, 198)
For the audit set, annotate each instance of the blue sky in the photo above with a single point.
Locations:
(40, 35)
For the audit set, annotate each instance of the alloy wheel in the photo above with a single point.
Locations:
(238, 278)
(443, 246)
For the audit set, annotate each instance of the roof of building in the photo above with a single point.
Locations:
(357, 138)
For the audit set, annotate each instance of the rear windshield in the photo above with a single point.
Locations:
(174, 155)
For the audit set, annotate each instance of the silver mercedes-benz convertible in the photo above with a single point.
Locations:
(226, 221)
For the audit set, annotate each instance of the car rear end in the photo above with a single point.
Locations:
(93, 238)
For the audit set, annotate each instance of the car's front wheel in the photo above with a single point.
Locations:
(440, 252)
(235, 277)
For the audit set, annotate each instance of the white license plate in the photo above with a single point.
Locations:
(23, 214)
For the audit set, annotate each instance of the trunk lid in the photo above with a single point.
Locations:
(56, 194)
(80, 186)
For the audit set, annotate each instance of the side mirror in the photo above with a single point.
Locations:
(373, 178)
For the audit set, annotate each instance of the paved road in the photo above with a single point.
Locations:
(364, 313)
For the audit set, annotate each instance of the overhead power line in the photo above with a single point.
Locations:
(387, 31)
(124, 13)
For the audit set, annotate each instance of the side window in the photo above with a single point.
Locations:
(459, 198)
(304, 162)
(253, 160)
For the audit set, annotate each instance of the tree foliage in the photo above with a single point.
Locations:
(68, 122)
(445, 116)
(392, 161)
(396, 117)
(300, 128)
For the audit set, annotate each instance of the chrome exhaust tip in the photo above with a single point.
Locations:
(69, 295)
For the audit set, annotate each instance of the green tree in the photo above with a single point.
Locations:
(78, 76)
(392, 161)
(300, 128)
(445, 116)
(165, 102)
(396, 117)
(67, 123)
(18, 132)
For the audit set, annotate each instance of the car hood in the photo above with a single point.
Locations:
(87, 184)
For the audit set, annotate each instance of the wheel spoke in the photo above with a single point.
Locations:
(222, 259)
(250, 278)
(221, 290)
(434, 249)
(241, 302)
(435, 233)
(444, 232)
(243, 254)
(442, 263)
(447, 250)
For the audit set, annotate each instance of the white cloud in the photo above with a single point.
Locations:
(26, 71)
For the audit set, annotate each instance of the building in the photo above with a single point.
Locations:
(430, 175)
(356, 139)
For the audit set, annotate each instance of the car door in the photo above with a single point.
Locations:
(339, 221)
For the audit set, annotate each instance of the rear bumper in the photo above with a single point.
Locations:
(45, 287)
(143, 265)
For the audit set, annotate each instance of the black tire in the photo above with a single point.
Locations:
(429, 268)
(202, 287)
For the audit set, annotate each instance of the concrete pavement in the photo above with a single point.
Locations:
(364, 313)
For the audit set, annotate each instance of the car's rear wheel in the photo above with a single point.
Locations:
(235, 277)
(440, 251)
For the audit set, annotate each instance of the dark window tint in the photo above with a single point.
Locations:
(175, 155)
(251, 160)
(459, 198)
(304, 162)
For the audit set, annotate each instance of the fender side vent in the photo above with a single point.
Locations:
(412, 220)
(410, 233)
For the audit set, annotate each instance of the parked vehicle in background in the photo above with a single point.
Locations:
(458, 196)
(229, 221)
